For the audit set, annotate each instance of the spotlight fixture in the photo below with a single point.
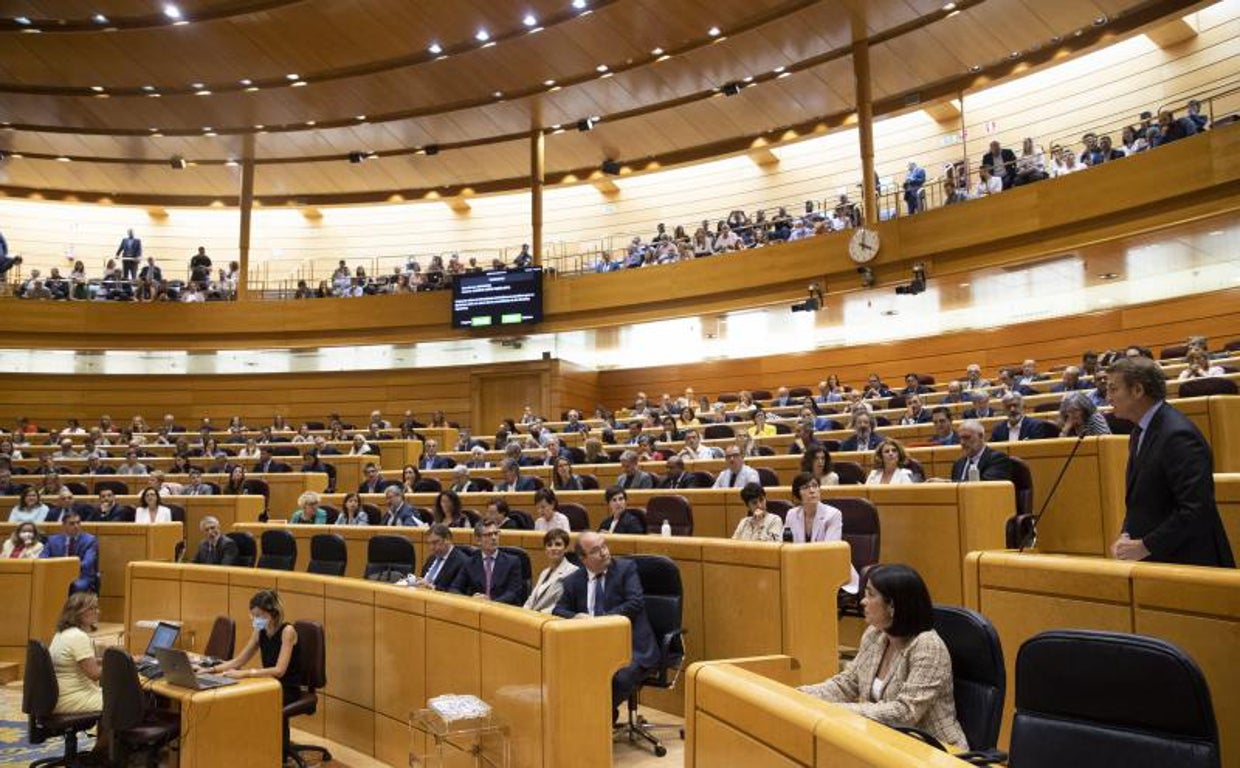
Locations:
(172, 12)
(918, 284)
(731, 89)
(611, 167)
(579, 4)
(356, 157)
(867, 277)
(530, 20)
(178, 163)
(587, 123)
(713, 31)
(435, 49)
(431, 149)
(815, 301)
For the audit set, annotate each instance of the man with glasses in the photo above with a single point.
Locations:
(442, 565)
(373, 482)
(72, 542)
(607, 587)
(216, 548)
(491, 574)
(736, 473)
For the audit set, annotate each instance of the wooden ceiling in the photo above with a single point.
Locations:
(99, 107)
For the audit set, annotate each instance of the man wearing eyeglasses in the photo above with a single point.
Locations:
(736, 473)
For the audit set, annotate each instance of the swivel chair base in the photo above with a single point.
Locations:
(294, 753)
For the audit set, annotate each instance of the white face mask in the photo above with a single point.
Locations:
(26, 536)
(259, 622)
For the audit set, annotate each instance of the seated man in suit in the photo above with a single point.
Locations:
(443, 563)
(109, 510)
(216, 548)
(372, 482)
(325, 448)
(631, 474)
(913, 385)
(620, 520)
(955, 393)
(991, 464)
(1070, 382)
(1017, 426)
(675, 477)
(95, 466)
(606, 587)
(398, 511)
(491, 573)
(735, 473)
(981, 405)
(431, 458)
(195, 486)
(915, 412)
(863, 437)
(943, 432)
(1171, 515)
(513, 479)
(461, 482)
(74, 543)
(268, 463)
(498, 512)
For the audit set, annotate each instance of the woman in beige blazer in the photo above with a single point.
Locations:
(550, 583)
(902, 674)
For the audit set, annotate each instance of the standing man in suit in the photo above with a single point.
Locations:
(130, 251)
(216, 548)
(991, 464)
(606, 587)
(1171, 513)
(444, 562)
(491, 574)
(74, 543)
(1000, 162)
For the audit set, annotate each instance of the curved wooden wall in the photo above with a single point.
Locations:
(1192, 179)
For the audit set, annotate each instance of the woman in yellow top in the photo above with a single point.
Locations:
(760, 428)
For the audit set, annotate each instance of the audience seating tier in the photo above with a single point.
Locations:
(390, 649)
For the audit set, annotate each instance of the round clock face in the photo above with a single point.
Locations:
(863, 246)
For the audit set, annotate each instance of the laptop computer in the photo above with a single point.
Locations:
(178, 671)
(164, 636)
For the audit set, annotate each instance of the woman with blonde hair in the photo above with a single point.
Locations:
(24, 544)
(309, 510)
(890, 465)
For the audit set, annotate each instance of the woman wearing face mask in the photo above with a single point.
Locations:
(23, 544)
(276, 642)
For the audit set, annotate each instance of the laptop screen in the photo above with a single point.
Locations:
(164, 636)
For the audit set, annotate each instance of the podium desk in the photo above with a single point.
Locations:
(227, 727)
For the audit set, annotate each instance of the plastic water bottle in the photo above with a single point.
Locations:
(666, 530)
(974, 475)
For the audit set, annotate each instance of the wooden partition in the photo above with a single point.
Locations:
(741, 598)
(745, 712)
(34, 592)
(1196, 608)
(390, 649)
(1227, 496)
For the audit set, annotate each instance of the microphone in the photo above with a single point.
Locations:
(1032, 539)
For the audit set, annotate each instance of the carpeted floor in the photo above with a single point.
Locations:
(14, 748)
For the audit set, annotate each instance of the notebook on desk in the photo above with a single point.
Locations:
(178, 671)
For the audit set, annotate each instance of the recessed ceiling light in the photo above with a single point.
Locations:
(488, 44)
(579, 4)
(299, 84)
(197, 85)
(202, 92)
(171, 11)
(210, 133)
(601, 68)
(311, 122)
(964, 285)
(97, 88)
(63, 159)
(16, 156)
(99, 18)
(535, 29)
(251, 89)
(435, 48)
(1101, 20)
(975, 68)
(154, 130)
(779, 69)
(360, 117)
(1014, 55)
(664, 57)
(548, 83)
(292, 76)
(530, 20)
(657, 52)
(259, 127)
(231, 162)
(1216, 233)
(154, 95)
(246, 81)
(23, 20)
(482, 35)
(207, 128)
(498, 94)
(949, 7)
(554, 88)
(782, 75)
(748, 79)
(556, 126)
(148, 88)
(713, 31)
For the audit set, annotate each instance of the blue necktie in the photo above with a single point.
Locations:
(598, 596)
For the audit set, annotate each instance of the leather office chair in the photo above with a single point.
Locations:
(764, 450)
(247, 552)
(664, 602)
(40, 692)
(1045, 407)
(78, 488)
(257, 486)
(718, 432)
(850, 472)
(328, 554)
(578, 518)
(1140, 701)
(134, 725)
(389, 558)
(727, 397)
(525, 522)
(797, 393)
(701, 479)
(527, 568)
(863, 535)
(1210, 386)
(333, 513)
(588, 482)
(119, 487)
(222, 643)
(177, 512)
(1118, 426)
(676, 510)
(427, 485)
(760, 394)
(897, 401)
(483, 484)
(1022, 480)
(279, 550)
(767, 477)
(313, 676)
(1167, 353)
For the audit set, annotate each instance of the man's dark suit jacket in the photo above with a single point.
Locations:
(102, 469)
(683, 480)
(271, 466)
(524, 483)
(852, 444)
(376, 487)
(120, 513)
(224, 553)
(622, 596)
(1007, 158)
(436, 462)
(1030, 429)
(973, 414)
(451, 568)
(638, 481)
(993, 465)
(629, 523)
(404, 515)
(507, 584)
(87, 551)
(1170, 495)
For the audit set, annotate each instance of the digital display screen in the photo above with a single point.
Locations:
(501, 298)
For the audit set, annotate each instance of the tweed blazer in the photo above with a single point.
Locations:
(918, 690)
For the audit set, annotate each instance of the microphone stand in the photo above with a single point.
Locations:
(1032, 539)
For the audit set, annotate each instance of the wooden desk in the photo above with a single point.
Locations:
(34, 592)
(236, 725)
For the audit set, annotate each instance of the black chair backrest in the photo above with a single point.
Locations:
(1022, 481)
(333, 514)
(328, 554)
(663, 597)
(760, 394)
(1210, 386)
(767, 477)
(115, 486)
(860, 529)
(764, 450)
(588, 482)
(980, 679)
(1138, 700)
(78, 488)
(40, 690)
(313, 654)
(222, 643)
(1179, 350)
(578, 518)
(527, 568)
(177, 511)
(279, 550)
(676, 510)
(387, 555)
(247, 552)
(718, 432)
(427, 485)
(700, 479)
(1119, 426)
(257, 486)
(525, 521)
(850, 472)
(780, 507)
(796, 393)
(124, 705)
(484, 484)
(897, 401)
(1045, 407)
(373, 513)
